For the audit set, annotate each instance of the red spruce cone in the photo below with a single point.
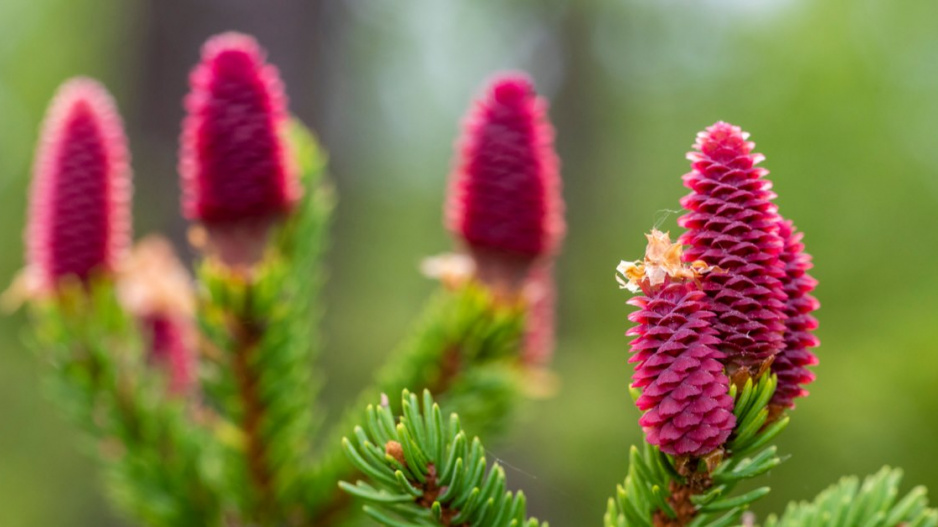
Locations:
(688, 410)
(156, 289)
(791, 363)
(504, 198)
(540, 326)
(733, 224)
(171, 348)
(685, 392)
(79, 219)
(234, 160)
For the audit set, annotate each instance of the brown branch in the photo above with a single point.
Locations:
(431, 487)
(679, 500)
(695, 482)
(432, 491)
(248, 333)
(451, 365)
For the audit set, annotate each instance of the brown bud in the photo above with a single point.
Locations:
(396, 451)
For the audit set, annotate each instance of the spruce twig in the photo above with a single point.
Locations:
(466, 339)
(258, 328)
(426, 472)
(152, 455)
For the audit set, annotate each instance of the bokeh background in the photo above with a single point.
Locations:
(840, 95)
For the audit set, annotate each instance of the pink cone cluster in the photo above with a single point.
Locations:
(504, 198)
(733, 224)
(79, 209)
(684, 390)
(742, 303)
(234, 161)
(791, 364)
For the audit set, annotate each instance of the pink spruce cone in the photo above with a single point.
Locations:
(79, 208)
(684, 390)
(791, 364)
(733, 224)
(171, 347)
(540, 291)
(504, 198)
(156, 289)
(234, 160)
(688, 410)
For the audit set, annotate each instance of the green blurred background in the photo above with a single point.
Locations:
(841, 96)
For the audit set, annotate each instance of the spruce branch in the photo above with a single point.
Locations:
(464, 350)
(159, 467)
(645, 490)
(424, 471)
(259, 329)
(874, 503)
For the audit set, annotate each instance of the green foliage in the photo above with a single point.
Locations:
(653, 475)
(260, 326)
(467, 347)
(424, 471)
(160, 468)
(645, 490)
(259, 378)
(875, 503)
(748, 453)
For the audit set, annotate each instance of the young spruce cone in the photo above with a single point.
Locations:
(234, 159)
(733, 224)
(791, 363)
(79, 217)
(504, 198)
(688, 410)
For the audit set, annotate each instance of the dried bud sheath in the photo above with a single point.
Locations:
(79, 218)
